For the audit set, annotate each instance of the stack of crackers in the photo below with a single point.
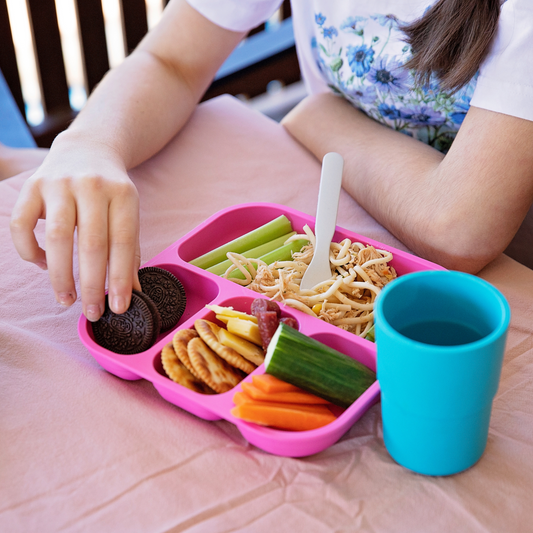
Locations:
(197, 360)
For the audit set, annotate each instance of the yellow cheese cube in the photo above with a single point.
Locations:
(246, 329)
(231, 313)
(247, 349)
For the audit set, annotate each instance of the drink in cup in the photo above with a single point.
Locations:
(440, 339)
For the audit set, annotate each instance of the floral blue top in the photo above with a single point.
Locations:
(362, 59)
(356, 48)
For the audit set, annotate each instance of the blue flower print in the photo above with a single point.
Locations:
(363, 95)
(360, 59)
(423, 115)
(431, 89)
(330, 32)
(389, 112)
(363, 59)
(389, 76)
(354, 25)
(461, 109)
(385, 20)
(320, 19)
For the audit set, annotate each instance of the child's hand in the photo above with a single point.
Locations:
(84, 186)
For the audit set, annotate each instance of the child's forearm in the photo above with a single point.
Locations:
(441, 207)
(134, 112)
(140, 105)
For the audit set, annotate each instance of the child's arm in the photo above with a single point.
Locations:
(132, 114)
(460, 210)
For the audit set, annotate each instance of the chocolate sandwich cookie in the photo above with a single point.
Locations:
(166, 291)
(131, 332)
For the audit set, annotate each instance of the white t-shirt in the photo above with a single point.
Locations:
(355, 48)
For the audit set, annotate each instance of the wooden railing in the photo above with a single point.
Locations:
(248, 71)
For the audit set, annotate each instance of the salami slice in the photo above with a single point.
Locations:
(268, 323)
(292, 322)
(262, 304)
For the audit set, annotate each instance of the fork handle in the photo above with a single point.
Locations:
(328, 198)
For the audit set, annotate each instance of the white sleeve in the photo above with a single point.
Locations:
(236, 15)
(505, 82)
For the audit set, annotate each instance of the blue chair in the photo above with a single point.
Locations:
(13, 128)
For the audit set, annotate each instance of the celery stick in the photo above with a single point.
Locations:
(283, 253)
(267, 232)
(370, 336)
(254, 253)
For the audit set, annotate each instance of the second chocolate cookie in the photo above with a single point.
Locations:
(166, 291)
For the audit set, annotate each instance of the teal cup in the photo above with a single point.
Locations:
(440, 338)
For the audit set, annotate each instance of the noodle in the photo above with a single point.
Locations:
(346, 300)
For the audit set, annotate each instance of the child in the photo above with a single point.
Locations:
(379, 84)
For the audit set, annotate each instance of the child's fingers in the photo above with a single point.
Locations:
(26, 212)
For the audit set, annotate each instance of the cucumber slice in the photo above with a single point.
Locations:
(311, 365)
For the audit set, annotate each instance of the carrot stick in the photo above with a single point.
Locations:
(291, 417)
(241, 397)
(289, 397)
(269, 383)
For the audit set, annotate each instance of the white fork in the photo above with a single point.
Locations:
(319, 269)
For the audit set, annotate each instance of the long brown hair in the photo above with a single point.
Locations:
(451, 40)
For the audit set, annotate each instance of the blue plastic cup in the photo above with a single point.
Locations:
(440, 339)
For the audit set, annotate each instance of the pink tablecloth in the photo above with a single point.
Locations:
(82, 450)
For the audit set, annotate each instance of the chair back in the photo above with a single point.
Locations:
(52, 76)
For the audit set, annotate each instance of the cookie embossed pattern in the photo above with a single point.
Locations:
(205, 288)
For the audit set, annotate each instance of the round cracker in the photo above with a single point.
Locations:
(211, 368)
(179, 373)
(179, 342)
(208, 332)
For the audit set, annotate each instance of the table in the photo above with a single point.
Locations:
(82, 450)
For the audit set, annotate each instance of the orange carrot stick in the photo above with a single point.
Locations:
(290, 397)
(268, 383)
(291, 417)
(241, 397)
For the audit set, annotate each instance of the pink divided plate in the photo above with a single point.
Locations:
(203, 288)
